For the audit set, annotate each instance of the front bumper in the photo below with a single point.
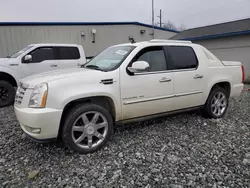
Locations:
(41, 141)
(46, 120)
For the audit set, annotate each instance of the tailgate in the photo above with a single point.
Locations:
(231, 63)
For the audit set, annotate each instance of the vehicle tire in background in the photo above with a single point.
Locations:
(217, 103)
(7, 93)
(87, 128)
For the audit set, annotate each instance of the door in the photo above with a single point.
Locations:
(188, 76)
(68, 57)
(43, 60)
(148, 92)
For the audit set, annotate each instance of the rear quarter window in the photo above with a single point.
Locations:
(69, 53)
(182, 57)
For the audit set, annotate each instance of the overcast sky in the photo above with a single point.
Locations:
(191, 13)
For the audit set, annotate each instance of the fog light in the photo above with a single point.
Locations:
(32, 130)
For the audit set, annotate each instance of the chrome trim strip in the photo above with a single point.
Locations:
(166, 71)
(184, 70)
(147, 100)
(190, 93)
(163, 97)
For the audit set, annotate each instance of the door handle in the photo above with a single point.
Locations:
(198, 76)
(164, 79)
(53, 65)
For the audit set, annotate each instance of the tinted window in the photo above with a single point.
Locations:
(42, 54)
(182, 57)
(155, 57)
(69, 53)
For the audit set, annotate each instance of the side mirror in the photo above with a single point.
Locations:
(27, 59)
(139, 66)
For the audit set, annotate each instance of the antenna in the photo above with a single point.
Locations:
(153, 21)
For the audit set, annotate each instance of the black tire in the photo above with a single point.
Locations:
(7, 93)
(207, 111)
(73, 116)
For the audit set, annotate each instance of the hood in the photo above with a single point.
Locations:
(36, 79)
(4, 61)
(7, 61)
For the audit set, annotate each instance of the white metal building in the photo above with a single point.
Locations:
(94, 37)
(228, 41)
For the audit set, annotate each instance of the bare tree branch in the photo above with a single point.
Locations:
(171, 25)
(182, 27)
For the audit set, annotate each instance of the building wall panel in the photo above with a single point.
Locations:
(235, 48)
(14, 38)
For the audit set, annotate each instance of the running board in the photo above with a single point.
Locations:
(150, 117)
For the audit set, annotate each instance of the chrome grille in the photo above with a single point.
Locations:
(19, 95)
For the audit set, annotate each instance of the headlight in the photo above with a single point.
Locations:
(39, 96)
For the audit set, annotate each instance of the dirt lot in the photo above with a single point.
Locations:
(177, 151)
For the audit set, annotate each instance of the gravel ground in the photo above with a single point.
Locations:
(178, 151)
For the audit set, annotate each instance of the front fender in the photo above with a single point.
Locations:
(59, 97)
(11, 72)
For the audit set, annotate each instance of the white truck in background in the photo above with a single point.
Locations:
(124, 83)
(33, 59)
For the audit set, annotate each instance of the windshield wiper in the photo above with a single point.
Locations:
(93, 67)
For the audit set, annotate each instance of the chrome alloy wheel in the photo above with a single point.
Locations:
(219, 104)
(89, 130)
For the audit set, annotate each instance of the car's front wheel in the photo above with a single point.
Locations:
(87, 128)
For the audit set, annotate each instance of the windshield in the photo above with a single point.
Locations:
(21, 51)
(110, 58)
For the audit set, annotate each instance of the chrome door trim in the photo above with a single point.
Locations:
(162, 97)
(165, 71)
(189, 93)
(147, 100)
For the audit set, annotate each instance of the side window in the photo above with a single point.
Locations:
(182, 57)
(69, 53)
(42, 54)
(155, 57)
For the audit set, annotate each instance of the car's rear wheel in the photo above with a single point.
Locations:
(7, 93)
(87, 128)
(217, 103)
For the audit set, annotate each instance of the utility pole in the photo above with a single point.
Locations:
(160, 18)
(153, 21)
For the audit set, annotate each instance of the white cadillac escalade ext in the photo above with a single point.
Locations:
(126, 82)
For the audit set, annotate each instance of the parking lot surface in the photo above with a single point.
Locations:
(184, 150)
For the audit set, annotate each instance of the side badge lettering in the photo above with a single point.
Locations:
(134, 97)
(13, 65)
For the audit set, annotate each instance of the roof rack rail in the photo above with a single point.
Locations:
(170, 41)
